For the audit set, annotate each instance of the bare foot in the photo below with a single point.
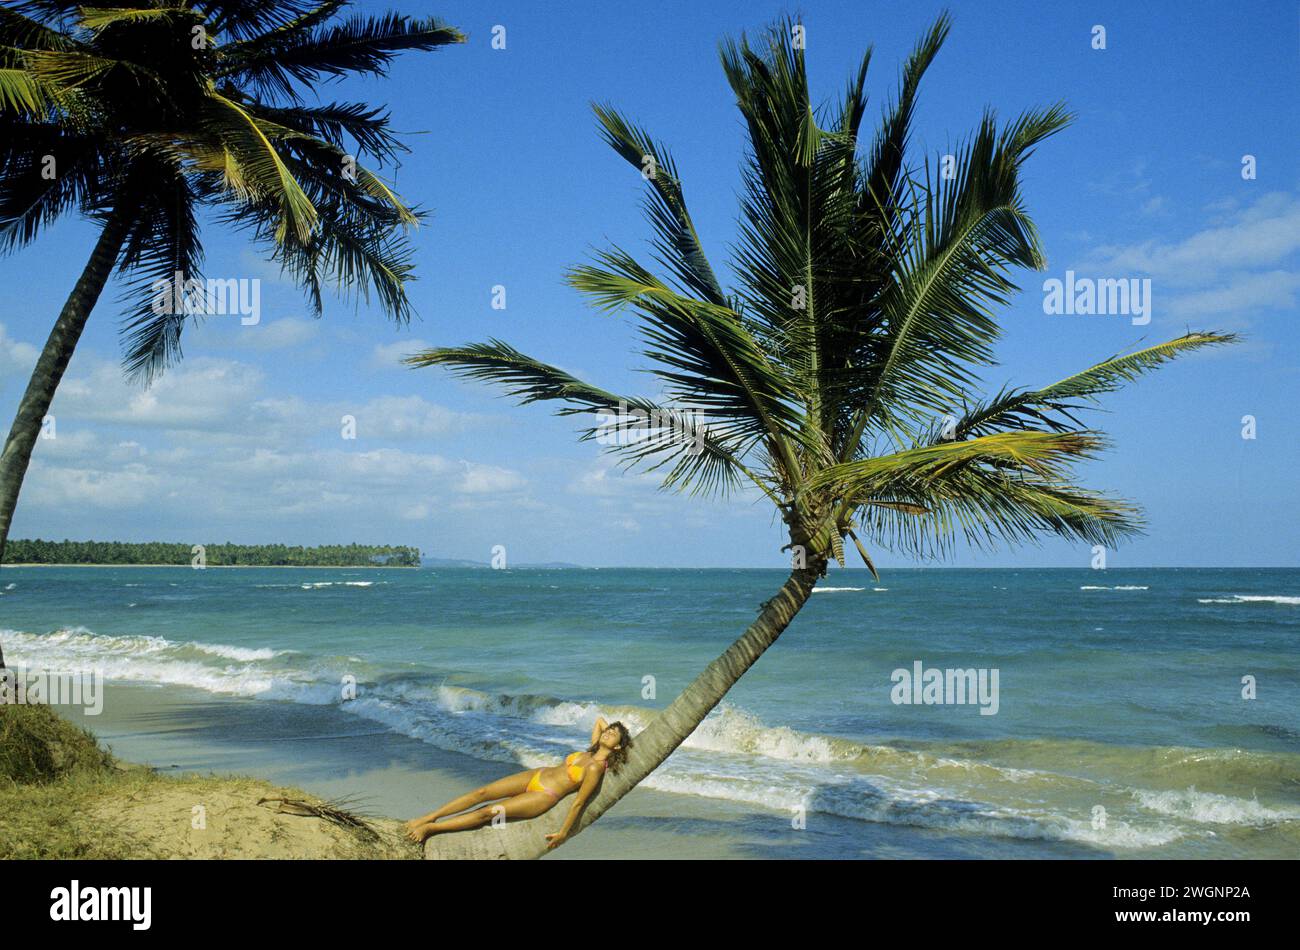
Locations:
(419, 832)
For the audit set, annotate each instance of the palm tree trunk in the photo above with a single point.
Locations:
(53, 362)
(668, 730)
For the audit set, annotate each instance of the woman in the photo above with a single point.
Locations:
(535, 792)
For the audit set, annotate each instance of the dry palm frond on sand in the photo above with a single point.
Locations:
(335, 810)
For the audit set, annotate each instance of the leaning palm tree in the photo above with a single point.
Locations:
(838, 377)
(141, 114)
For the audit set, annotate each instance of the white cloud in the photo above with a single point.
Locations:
(476, 479)
(202, 393)
(16, 358)
(607, 480)
(127, 486)
(1155, 206)
(1242, 262)
(274, 483)
(403, 417)
(1241, 295)
(1259, 235)
(279, 334)
(207, 445)
(390, 355)
(218, 399)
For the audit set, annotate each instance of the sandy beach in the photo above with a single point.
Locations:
(323, 751)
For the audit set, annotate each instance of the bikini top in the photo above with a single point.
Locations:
(570, 767)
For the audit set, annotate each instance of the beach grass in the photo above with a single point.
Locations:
(62, 795)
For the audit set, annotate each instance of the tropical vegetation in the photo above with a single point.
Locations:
(37, 551)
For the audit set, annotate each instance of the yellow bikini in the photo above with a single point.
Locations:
(568, 764)
(575, 773)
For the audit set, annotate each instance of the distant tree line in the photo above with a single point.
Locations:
(39, 551)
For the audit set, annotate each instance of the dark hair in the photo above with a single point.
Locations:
(617, 757)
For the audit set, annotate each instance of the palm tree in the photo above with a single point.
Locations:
(139, 114)
(837, 378)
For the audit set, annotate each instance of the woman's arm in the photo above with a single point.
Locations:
(590, 782)
(600, 726)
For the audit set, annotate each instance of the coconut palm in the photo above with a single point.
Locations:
(141, 114)
(838, 377)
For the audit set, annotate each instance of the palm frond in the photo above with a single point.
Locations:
(522, 377)
(677, 242)
(21, 32)
(162, 247)
(306, 54)
(101, 18)
(704, 353)
(964, 235)
(1027, 407)
(646, 435)
(254, 169)
(336, 123)
(987, 508)
(23, 93)
(245, 19)
(45, 171)
(1041, 454)
(887, 162)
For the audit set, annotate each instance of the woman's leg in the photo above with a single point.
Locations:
(501, 788)
(527, 805)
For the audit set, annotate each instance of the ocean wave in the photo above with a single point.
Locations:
(731, 730)
(839, 590)
(1008, 788)
(317, 585)
(1117, 587)
(150, 659)
(1250, 599)
(1158, 767)
(245, 654)
(1209, 808)
(917, 807)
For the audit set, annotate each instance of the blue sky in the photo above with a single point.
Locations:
(242, 442)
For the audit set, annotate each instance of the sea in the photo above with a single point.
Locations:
(1124, 713)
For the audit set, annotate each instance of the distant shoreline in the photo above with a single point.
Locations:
(259, 567)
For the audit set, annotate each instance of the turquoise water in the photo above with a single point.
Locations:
(1120, 727)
